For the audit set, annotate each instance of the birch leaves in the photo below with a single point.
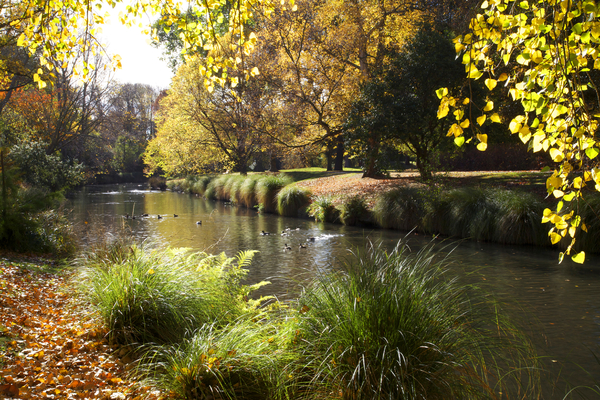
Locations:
(544, 54)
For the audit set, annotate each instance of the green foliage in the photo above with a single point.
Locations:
(163, 296)
(127, 155)
(291, 199)
(354, 210)
(322, 209)
(267, 188)
(396, 326)
(45, 171)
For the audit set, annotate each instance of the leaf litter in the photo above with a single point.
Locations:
(52, 349)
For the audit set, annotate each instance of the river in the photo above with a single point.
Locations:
(558, 305)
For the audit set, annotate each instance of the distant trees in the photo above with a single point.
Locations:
(199, 130)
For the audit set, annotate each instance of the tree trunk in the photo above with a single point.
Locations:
(273, 163)
(371, 164)
(423, 167)
(339, 155)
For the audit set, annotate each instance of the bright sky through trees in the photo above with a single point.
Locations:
(141, 62)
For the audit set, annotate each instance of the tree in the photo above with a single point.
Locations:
(546, 54)
(399, 103)
(315, 89)
(223, 127)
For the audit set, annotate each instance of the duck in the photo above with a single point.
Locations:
(126, 216)
(302, 246)
(286, 247)
(263, 233)
(198, 222)
(175, 215)
(158, 216)
(310, 239)
(284, 233)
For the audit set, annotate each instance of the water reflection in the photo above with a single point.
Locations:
(559, 304)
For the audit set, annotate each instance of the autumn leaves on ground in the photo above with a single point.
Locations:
(49, 348)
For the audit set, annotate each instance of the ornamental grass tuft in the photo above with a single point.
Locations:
(322, 209)
(144, 295)
(395, 326)
(267, 188)
(291, 199)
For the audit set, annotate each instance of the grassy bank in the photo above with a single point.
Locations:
(385, 325)
(504, 208)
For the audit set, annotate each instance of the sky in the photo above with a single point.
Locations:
(141, 62)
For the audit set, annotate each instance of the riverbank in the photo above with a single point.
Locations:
(501, 207)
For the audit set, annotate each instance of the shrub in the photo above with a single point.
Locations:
(323, 209)
(291, 199)
(394, 326)
(267, 188)
(158, 183)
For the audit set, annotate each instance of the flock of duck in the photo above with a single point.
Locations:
(158, 216)
(286, 232)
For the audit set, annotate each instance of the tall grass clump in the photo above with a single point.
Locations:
(145, 295)
(401, 208)
(518, 219)
(322, 209)
(175, 185)
(291, 199)
(267, 188)
(354, 210)
(248, 359)
(211, 192)
(470, 214)
(201, 182)
(247, 192)
(233, 187)
(396, 326)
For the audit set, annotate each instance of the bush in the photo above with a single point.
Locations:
(159, 183)
(394, 326)
(354, 210)
(291, 199)
(518, 219)
(322, 209)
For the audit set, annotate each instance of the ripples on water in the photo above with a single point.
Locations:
(558, 304)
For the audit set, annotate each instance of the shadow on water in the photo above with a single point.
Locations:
(559, 305)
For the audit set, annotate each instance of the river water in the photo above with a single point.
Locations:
(558, 305)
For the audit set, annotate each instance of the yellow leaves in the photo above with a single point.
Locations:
(556, 154)
(489, 106)
(491, 83)
(495, 118)
(481, 119)
(441, 93)
(482, 146)
(579, 257)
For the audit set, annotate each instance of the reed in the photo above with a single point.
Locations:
(291, 199)
(396, 326)
(267, 188)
